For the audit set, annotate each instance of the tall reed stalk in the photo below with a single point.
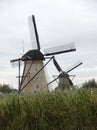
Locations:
(74, 110)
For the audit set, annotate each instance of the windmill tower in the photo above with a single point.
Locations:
(32, 65)
(64, 81)
(33, 77)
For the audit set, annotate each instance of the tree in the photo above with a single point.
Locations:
(5, 88)
(90, 84)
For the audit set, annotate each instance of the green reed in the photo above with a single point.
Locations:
(74, 110)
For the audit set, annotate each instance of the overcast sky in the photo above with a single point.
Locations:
(58, 22)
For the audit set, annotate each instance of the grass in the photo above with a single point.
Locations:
(75, 110)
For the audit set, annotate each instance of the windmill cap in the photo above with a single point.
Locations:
(33, 55)
(63, 74)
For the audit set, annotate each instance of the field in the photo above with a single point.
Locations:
(74, 110)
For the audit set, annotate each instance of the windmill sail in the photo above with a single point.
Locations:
(52, 81)
(60, 49)
(74, 66)
(57, 65)
(33, 33)
(19, 63)
(15, 60)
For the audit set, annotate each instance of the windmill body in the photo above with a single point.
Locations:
(33, 62)
(64, 81)
(36, 84)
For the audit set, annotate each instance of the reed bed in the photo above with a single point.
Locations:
(74, 110)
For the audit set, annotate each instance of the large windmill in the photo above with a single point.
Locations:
(33, 77)
(64, 78)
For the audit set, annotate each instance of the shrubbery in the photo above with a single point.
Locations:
(74, 110)
(6, 88)
(90, 84)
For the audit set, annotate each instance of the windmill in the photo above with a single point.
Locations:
(33, 77)
(64, 80)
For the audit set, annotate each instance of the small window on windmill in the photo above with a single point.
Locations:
(37, 86)
(36, 69)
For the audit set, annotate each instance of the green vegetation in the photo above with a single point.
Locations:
(90, 84)
(6, 88)
(74, 110)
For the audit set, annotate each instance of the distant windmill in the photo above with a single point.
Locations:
(33, 77)
(64, 80)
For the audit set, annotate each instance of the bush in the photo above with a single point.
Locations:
(90, 84)
(5, 88)
(75, 110)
